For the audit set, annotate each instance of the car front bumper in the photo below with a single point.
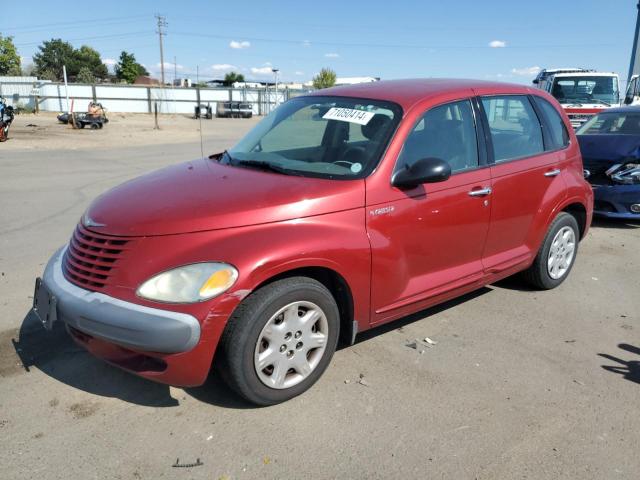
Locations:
(113, 320)
(614, 201)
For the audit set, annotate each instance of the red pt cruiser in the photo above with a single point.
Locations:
(341, 210)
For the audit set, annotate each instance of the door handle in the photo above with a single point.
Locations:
(481, 192)
(552, 173)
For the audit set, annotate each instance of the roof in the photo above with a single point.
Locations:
(410, 91)
(585, 74)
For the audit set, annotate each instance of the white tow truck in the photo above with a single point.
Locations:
(581, 92)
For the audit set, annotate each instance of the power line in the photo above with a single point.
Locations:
(97, 37)
(74, 22)
(383, 45)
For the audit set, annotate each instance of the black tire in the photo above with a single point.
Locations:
(81, 125)
(538, 273)
(94, 126)
(235, 358)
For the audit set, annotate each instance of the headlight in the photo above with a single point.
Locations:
(190, 283)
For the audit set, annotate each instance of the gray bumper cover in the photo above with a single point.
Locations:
(123, 323)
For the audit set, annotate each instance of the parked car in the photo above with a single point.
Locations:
(342, 210)
(234, 110)
(610, 145)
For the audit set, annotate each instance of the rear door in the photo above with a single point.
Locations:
(524, 178)
(429, 240)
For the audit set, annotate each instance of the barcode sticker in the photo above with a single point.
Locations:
(349, 115)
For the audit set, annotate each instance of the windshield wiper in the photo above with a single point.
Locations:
(228, 155)
(597, 100)
(271, 167)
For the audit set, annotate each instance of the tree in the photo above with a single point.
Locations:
(326, 78)
(88, 60)
(9, 58)
(85, 76)
(231, 78)
(128, 69)
(52, 56)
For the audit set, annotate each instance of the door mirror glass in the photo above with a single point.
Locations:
(426, 170)
(628, 100)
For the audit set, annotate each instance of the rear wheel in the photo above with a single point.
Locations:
(556, 255)
(4, 133)
(280, 340)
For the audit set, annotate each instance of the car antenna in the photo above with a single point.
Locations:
(199, 116)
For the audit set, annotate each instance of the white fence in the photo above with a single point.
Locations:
(52, 97)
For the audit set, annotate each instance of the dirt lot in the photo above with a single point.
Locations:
(521, 384)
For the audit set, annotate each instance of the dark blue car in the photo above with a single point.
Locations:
(610, 146)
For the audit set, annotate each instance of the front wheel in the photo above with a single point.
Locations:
(279, 340)
(557, 253)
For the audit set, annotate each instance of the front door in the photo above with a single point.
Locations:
(428, 242)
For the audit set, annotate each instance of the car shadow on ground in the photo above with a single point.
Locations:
(601, 222)
(55, 354)
(629, 369)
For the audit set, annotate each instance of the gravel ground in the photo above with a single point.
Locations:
(520, 384)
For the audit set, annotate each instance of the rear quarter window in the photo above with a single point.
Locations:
(556, 127)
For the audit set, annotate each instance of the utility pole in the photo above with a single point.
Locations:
(275, 73)
(162, 23)
(175, 71)
(634, 64)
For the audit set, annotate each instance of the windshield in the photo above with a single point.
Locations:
(621, 123)
(586, 89)
(327, 137)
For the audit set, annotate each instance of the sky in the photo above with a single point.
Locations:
(496, 40)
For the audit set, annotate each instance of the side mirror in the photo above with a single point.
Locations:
(628, 100)
(426, 170)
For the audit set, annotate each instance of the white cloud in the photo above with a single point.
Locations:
(239, 45)
(299, 72)
(526, 71)
(261, 70)
(306, 43)
(331, 55)
(109, 62)
(497, 44)
(221, 67)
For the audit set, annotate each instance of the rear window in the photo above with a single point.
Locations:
(619, 123)
(514, 127)
(553, 120)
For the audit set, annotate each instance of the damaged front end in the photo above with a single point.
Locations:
(612, 166)
(625, 174)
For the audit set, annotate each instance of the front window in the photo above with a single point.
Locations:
(622, 123)
(447, 132)
(326, 137)
(587, 89)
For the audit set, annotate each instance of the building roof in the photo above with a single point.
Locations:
(407, 92)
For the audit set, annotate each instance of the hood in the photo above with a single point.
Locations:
(205, 195)
(611, 148)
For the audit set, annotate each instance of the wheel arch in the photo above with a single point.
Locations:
(579, 212)
(336, 284)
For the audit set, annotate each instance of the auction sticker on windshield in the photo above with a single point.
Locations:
(349, 115)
